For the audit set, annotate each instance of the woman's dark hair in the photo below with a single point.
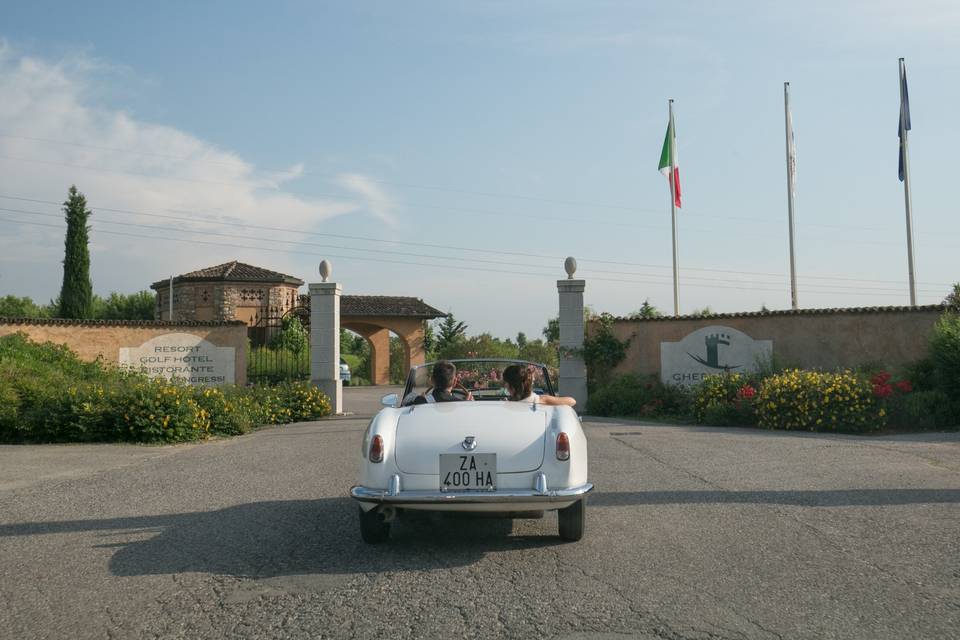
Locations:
(443, 374)
(520, 381)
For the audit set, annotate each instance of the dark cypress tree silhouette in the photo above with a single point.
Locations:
(76, 294)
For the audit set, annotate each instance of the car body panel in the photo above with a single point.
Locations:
(514, 431)
(516, 490)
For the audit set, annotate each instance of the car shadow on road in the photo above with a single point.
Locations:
(812, 498)
(278, 538)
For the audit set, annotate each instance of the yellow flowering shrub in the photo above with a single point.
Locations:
(290, 402)
(818, 401)
(725, 399)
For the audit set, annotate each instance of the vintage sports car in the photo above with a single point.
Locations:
(488, 454)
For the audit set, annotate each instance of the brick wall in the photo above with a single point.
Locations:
(104, 338)
(809, 338)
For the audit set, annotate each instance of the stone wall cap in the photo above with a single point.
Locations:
(147, 324)
(797, 312)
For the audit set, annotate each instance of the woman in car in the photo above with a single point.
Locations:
(519, 385)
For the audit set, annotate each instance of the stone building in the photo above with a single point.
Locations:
(230, 291)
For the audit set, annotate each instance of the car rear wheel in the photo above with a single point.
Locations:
(572, 520)
(373, 529)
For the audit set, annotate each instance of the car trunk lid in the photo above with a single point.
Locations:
(515, 431)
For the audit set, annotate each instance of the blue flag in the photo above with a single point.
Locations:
(904, 117)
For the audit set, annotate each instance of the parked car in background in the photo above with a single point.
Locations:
(517, 459)
(344, 371)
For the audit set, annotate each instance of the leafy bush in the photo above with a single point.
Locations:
(273, 365)
(945, 354)
(932, 409)
(292, 336)
(818, 401)
(633, 396)
(602, 351)
(725, 400)
(47, 394)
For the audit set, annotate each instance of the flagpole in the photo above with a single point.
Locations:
(673, 215)
(791, 186)
(908, 199)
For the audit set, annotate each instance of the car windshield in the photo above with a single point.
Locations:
(482, 378)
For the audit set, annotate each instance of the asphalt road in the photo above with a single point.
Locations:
(692, 533)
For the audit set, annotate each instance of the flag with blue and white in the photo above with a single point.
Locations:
(904, 117)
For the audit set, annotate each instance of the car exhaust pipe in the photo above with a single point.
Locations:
(388, 514)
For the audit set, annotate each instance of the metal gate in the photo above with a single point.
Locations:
(279, 346)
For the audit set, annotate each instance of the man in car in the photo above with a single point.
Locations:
(444, 377)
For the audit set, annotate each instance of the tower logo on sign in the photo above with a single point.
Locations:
(710, 350)
(712, 360)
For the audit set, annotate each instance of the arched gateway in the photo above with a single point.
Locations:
(374, 317)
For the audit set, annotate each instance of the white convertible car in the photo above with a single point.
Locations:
(517, 459)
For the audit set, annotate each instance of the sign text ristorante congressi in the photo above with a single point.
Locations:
(182, 355)
(182, 362)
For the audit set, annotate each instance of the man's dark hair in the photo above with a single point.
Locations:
(443, 375)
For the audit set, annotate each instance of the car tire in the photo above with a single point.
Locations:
(373, 529)
(572, 520)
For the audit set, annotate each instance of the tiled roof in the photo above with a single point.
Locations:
(233, 271)
(119, 323)
(405, 306)
(797, 312)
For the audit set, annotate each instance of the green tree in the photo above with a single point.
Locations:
(429, 338)
(480, 346)
(292, 337)
(702, 313)
(539, 351)
(551, 332)
(76, 294)
(521, 340)
(450, 332)
(953, 298)
(13, 307)
(646, 310)
(125, 306)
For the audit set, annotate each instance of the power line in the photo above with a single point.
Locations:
(420, 255)
(440, 246)
(435, 265)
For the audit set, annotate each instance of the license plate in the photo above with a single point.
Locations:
(469, 471)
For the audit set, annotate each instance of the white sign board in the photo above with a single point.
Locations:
(710, 350)
(182, 355)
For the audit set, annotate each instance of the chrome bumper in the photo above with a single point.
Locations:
(364, 494)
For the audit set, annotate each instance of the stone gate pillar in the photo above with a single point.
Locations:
(573, 371)
(325, 338)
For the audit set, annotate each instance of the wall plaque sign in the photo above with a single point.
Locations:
(182, 355)
(710, 350)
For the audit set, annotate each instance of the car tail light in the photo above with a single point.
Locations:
(563, 446)
(376, 449)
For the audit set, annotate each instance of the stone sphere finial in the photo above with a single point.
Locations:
(325, 269)
(570, 266)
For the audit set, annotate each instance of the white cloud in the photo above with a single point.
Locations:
(375, 198)
(54, 134)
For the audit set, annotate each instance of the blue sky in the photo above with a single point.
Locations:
(531, 129)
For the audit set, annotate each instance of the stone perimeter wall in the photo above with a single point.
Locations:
(825, 339)
(93, 338)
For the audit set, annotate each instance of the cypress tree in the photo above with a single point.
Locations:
(76, 294)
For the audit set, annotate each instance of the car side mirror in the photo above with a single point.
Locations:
(389, 400)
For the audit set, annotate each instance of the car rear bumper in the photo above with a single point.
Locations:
(439, 498)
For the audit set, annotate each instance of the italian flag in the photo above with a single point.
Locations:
(669, 162)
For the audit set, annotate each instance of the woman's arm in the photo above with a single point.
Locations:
(565, 401)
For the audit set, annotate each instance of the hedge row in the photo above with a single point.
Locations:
(47, 394)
